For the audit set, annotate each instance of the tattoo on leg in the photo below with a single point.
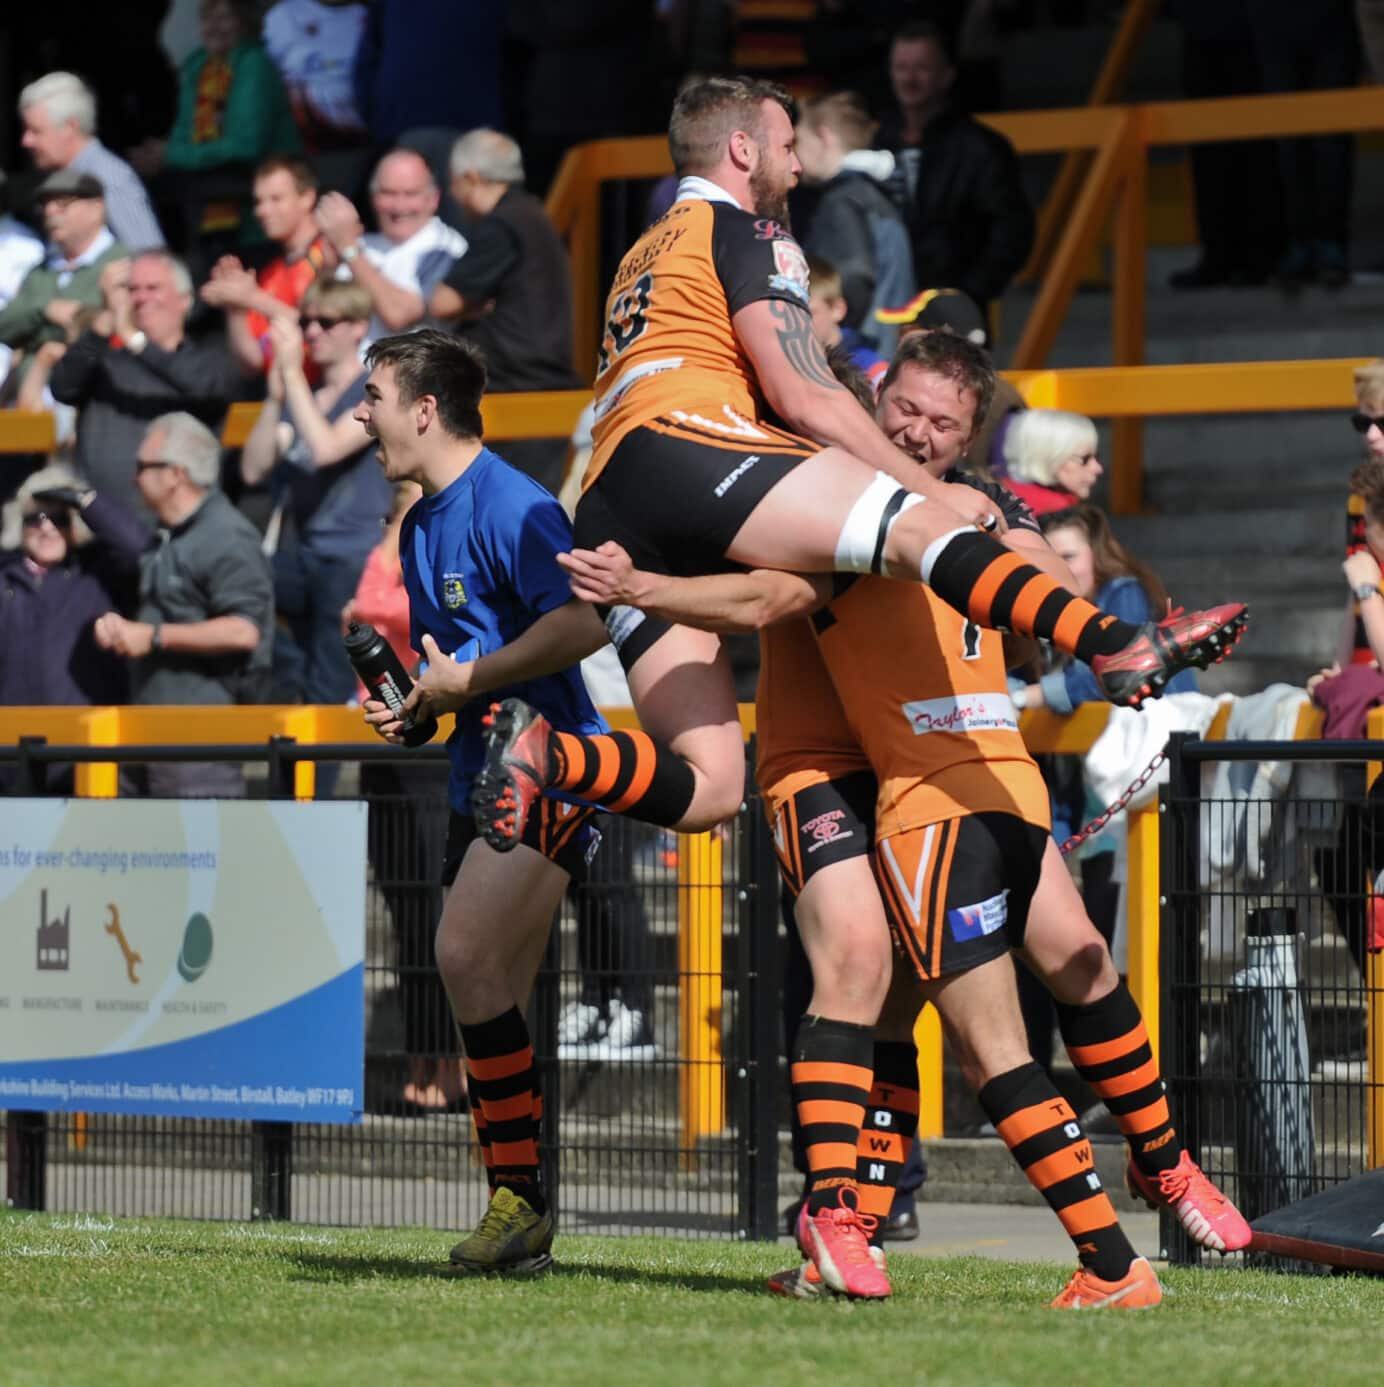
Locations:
(804, 352)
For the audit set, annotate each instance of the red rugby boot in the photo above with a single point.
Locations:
(1162, 648)
(514, 773)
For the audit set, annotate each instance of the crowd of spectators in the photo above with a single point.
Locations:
(323, 181)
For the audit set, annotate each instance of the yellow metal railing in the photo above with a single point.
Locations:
(1113, 143)
(702, 1079)
(1107, 89)
(1109, 177)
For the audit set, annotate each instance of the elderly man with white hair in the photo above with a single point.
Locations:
(511, 293)
(136, 362)
(203, 631)
(59, 116)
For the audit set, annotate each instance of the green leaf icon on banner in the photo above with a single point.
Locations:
(196, 950)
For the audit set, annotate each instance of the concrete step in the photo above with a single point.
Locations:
(1278, 461)
(1303, 581)
(1047, 66)
(1280, 629)
(1315, 530)
(1211, 325)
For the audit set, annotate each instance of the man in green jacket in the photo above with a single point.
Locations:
(80, 245)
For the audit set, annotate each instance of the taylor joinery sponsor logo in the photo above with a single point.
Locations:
(982, 712)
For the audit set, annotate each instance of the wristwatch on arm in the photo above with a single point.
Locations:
(1362, 592)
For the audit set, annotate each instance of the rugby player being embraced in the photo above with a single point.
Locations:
(708, 353)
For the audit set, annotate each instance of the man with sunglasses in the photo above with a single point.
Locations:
(320, 467)
(202, 630)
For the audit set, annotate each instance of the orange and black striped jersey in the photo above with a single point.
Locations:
(669, 344)
(900, 679)
(802, 735)
(926, 695)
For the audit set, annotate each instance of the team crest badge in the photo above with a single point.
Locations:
(453, 591)
(790, 266)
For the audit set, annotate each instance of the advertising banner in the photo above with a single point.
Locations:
(183, 958)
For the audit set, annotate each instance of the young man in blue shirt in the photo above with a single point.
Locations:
(478, 554)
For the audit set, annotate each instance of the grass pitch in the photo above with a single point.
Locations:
(93, 1300)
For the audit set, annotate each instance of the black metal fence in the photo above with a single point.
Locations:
(1269, 853)
(655, 1022)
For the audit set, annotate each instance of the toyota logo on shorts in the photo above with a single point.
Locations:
(825, 828)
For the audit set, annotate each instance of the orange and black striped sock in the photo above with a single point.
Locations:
(625, 772)
(502, 1077)
(891, 1123)
(1110, 1048)
(1042, 1133)
(831, 1085)
(482, 1131)
(996, 588)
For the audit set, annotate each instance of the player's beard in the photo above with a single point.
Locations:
(770, 200)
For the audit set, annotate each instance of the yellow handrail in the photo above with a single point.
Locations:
(1114, 392)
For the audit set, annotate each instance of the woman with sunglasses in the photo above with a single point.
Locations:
(330, 496)
(1050, 458)
(54, 583)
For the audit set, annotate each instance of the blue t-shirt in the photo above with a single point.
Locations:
(480, 568)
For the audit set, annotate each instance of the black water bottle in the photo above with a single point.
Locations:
(385, 678)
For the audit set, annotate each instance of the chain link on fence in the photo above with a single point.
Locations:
(1271, 981)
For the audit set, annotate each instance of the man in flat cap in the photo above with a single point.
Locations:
(80, 244)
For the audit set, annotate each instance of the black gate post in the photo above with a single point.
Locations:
(26, 1159)
(757, 1064)
(271, 1171)
(1179, 965)
(271, 1143)
(29, 776)
(282, 763)
(26, 1133)
(544, 1008)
